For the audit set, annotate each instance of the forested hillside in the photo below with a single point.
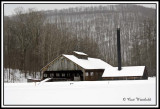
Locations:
(34, 38)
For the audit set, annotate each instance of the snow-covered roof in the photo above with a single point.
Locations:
(80, 53)
(90, 63)
(125, 71)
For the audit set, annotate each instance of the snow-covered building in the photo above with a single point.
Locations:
(78, 67)
(126, 73)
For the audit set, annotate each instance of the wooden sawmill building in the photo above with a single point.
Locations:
(80, 67)
(76, 67)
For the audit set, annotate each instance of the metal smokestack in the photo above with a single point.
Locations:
(118, 48)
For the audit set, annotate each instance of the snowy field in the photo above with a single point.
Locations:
(126, 92)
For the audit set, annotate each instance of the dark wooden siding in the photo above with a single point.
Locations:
(80, 56)
(123, 78)
(93, 75)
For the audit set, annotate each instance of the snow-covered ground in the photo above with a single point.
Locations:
(126, 92)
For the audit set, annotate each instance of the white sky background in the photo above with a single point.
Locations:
(9, 8)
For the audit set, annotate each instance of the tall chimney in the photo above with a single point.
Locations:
(119, 48)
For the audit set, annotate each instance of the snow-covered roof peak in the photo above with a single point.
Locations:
(80, 53)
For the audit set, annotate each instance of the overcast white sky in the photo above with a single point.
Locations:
(9, 8)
